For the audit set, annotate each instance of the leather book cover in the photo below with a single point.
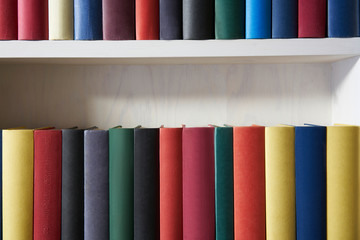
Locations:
(88, 20)
(61, 19)
(8, 20)
(146, 184)
(312, 18)
(33, 20)
(47, 184)
(249, 183)
(96, 184)
(310, 179)
(343, 18)
(258, 19)
(284, 18)
(198, 183)
(72, 196)
(147, 19)
(171, 26)
(229, 19)
(121, 183)
(119, 19)
(171, 184)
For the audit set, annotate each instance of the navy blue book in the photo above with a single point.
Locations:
(310, 182)
(88, 20)
(284, 19)
(258, 19)
(343, 18)
(171, 19)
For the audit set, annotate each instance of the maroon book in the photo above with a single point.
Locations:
(8, 20)
(312, 18)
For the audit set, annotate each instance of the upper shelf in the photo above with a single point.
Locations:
(180, 51)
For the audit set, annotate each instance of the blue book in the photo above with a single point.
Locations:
(310, 182)
(258, 19)
(88, 20)
(343, 18)
(284, 19)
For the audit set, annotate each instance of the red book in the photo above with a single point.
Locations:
(198, 184)
(33, 19)
(147, 19)
(312, 18)
(8, 20)
(171, 183)
(249, 183)
(47, 184)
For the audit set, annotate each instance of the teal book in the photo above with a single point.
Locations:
(229, 19)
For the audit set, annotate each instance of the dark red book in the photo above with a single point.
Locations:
(147, 19)
(312, 18)
(33, 20)
(8, 20)
(47, 184)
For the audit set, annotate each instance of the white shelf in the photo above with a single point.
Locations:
(180, 51)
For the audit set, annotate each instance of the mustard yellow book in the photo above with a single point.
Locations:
(280, 183)
(343, 182)
(61, 20)
(18, 161)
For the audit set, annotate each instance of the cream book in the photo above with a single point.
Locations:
(61, 19)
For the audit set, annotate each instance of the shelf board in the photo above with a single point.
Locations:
(180, 51)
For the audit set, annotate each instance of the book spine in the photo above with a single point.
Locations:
(147, 19)
(342, 182)
(33, 20)
(343, 18)
(8, 20)
(258, 19)
(171, 19)
(249, 183)
(96, 184)
(171, 183)
(18, 163)
(72, 196)
(312, 19)
(280, 183)
(229, 19)
(198, 19)
(118, 19)
(47, 184)
(198, 183)
(284, 18)
(310, 172)
(146, 184)
(224, 183)
(121, 183)
(88, 20)
(61, 19)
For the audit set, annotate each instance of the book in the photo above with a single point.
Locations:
(47, 184)
(312, 19)
(88, 20)
(61, 19)
(147, 19)
(72, 195)
(258, 19)
(198, 19)
(121, 183)
(342, 182)
(280, 182)
(224, 183)
(8, 20)
(229, 19)
(33, 20)
(96, 184)
(249, 183)
(146, 184)
(171, 184)
(171, 19)
(343, 18)
(198, 183)
(18, 163)
(284, 18)
(118, 19)
(310, 182)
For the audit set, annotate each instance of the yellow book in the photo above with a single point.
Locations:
(61, 19)
(343, 182)
(280, 183)
(18, 161)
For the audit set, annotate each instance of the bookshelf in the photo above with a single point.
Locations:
(239, 82)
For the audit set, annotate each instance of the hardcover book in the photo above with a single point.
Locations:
(171, 19)
(8, 20)
(258, 19)
(343, 18)
(284, 18)
(147, 19)
(61, 19)
(229, 19)
(33, 20)
(88, 20)
(312, 18)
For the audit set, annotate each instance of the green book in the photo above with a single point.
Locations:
(229, 19)
(121, 183)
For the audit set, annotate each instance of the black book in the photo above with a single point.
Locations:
(171, 19)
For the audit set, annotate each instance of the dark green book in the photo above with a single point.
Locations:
(121, 183)
(229, 19)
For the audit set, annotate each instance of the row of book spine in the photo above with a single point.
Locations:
(176, 19)
(245, 183)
